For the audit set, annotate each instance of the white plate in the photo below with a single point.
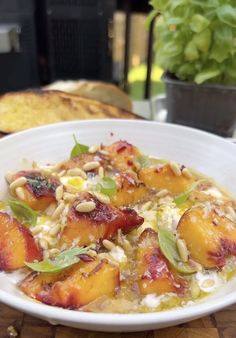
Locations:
(207, 153)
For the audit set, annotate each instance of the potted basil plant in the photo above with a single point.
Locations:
(196, 46)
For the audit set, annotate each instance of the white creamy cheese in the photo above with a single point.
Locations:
(214, 192)
(118, 254)
(208, 281)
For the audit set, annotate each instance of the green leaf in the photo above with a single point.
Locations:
(181, 198)
(223, 42)
(203, 40)
(191, 53)
(227, 14)
(78, 149)
(168, 246)
(63, 260)
(144, 161)
(23, 212)
(172, 48)
(107, 186)
(198, 23)
(206, 75)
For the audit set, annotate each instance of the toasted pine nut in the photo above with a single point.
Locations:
(59, 192)
(104, 152)
(110, 259)
(182, 248)
(53, 252)
(19, 182)
(175, 168)
(92, 253)
(108, 244)
(35, 230)
(9, 177)
(51, 241)
(194, 289)
(196, 265)
(69, 197)
(43, 243)
(58, 210)
(102, 197)
(94, 149)
(50, 209)
(91, 165)
(101, 172)
(55, 230)
(187, 173)
(86, 206)
(77, 172)
(231, 213)
(61, 173)
(162, 193)
(20, 193)
(146, 206)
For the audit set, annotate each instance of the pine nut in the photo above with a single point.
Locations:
(175, 168)
(146, 206)
(43, 243)
(108, 244)
(61, 173)
(104, 152)
(77, 172)
(107, 257)
(69, 197)
(59, 192)
(54, 230)
(54, 252)
(9, 177)
(231, 213)
(102, 197)
(196, 265)
(182, 248)
(19, 182)
(94, 149)
(92, 253)
(101, 172)
(194, 289)
(51, 241)
(37, 229)
(187, 173)
(58, 210)
(91, 165)
(162, 193)
(50, 209)
(20, 193)
(86, 206)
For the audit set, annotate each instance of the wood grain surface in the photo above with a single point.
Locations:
(219, 325)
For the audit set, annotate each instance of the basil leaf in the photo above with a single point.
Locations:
(168, 246)
(227, 14)
(63, 260)
(78, 149)
(107, 186)
(144, 161)
(23, 212)
(198, 23)
(181, 198)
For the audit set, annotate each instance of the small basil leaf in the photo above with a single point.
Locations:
(144, 161)
(181, 198)
(107, 186)
(168, 246)
(23, 212)
(78, 149)
(63, 260)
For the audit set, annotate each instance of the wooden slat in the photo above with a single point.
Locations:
(176, 332)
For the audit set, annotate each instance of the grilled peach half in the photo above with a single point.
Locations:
(209, 236)
(17, 244)
(154, 274)
(122, 155)
(74, 287)
(84, 228)
(162, 177)
(129, 190)
(39, 190)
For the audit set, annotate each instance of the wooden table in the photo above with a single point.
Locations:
(219, 325)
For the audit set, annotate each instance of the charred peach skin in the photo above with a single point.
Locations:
(85, 228)
(80, 160)
(39, 190)
(122, 155)
(17, 245)
(152, 267)
(130, 190)
(210, 238)
(162, 177)
(74, 287)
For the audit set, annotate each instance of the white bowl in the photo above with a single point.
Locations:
(207, 153)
